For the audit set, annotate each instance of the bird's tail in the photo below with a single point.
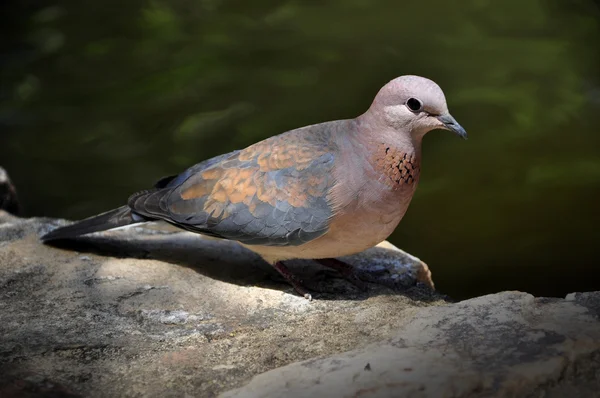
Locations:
(101, 222)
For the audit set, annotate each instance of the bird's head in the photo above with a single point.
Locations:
(415, 104)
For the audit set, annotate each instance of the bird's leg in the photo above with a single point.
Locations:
(292, 279)
(349, 273)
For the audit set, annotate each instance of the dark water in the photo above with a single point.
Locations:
(98, 101)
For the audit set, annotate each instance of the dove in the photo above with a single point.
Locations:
(317, 192)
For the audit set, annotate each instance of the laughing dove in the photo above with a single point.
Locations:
(317, 192)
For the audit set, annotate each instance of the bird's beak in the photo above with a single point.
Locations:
(450, 123)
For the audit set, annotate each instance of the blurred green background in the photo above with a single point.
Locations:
(99, 100)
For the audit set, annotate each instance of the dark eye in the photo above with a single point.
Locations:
(414, 104)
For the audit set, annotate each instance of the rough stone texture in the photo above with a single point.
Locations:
(504, 345)
(146, 312)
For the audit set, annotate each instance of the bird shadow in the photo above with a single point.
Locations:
(227, 261)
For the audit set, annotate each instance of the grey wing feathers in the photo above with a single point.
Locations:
(277, 200)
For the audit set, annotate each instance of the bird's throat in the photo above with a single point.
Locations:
(398, 167)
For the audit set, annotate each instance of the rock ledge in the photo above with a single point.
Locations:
(144, 312)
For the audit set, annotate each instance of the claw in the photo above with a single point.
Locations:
(292, 279)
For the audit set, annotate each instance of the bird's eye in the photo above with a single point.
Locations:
(414, 105)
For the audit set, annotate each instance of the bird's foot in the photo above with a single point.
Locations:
(292, 279)
(355, 276)
(351, 274)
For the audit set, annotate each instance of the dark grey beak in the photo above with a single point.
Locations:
(451, 124)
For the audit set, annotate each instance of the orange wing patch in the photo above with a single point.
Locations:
(271, 155)
(265, 173)
(223, 187)
(272, 193)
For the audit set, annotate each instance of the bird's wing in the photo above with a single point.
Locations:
(272, 193)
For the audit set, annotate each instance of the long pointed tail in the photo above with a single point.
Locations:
(101, 222)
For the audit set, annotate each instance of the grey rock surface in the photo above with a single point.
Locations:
(145, 312)
(503, 345)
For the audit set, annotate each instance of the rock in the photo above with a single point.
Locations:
(503, 345)
(147, 312)
(8, 194)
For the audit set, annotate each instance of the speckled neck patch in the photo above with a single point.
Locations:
(399, 167)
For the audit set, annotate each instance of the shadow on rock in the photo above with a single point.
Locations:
(394, 271)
